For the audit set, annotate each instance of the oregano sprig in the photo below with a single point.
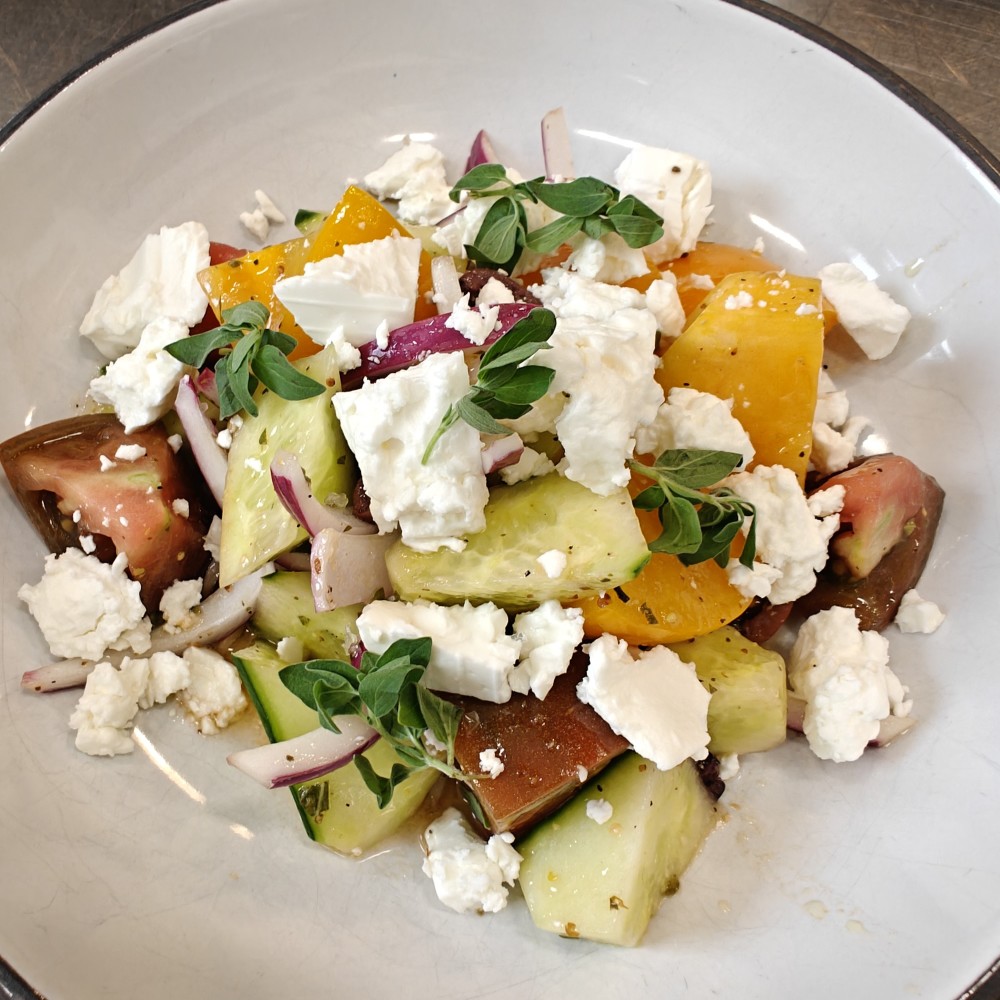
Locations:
(505, 388)
(386, 691)
(699, 522)
(249, 353)
(584, 205)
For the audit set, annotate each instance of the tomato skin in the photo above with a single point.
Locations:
(55, 470)
(218, 253)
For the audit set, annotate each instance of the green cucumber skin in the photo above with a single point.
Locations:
(352, 822)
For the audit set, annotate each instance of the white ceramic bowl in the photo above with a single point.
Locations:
(166, 874)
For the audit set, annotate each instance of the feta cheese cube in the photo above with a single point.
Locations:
(471, 653)
(872, 318)
(655, 701)
(388, 425)
(415, 177)
(549, 636)
(917, 615)
(159, 282)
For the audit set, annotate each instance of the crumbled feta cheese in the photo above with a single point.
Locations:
(176, 442)
(140, 385)
(741, 300)
(494, 293)
(213, 538)
(159, 282)
(602, 351)
(388, 425)
(758, 245)
(475, 323)
(87, 544)
(177, 604)
(415, 177)
(109, 703)
(609, 259)
(214, 695)
(531, 463)
(549, 636)
(258, 222)
(790, 536)
(806, 309)
(833, 450)
(84, 606)
(599, 810)
(553, 563)
(655, 701)
(693, 419)
(343, 299)
(181, 507)
(917, 615)
(106, 463)
(290, 649)
(469, 875)
(844, 676)
(664, 303)
(471, 653)
(729, 766)
(168, 673)
(490, 763)
(874, 321)
(702, 281)
(130, 452)
(677, 187)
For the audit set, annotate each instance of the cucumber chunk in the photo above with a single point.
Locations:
(599, 536)
(255, 525)
(749, 707)
(285, 608)
(337, 810)
(604, 881)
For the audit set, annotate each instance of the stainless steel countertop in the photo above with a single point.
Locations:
(947, 49)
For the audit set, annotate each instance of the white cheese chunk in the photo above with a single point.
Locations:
(84, 606)
(141, 385)
(843, 674)
(599, 810)
(872, 318)
(469, 875)
(160, 281)
(389, 424)
(475, 323)
(343, 299)
(414, 176)
(471, 652)
(693, 419)
(917, 615)
(677, 187)
(655, 701)
(531, 463)
(663, 301)
(549, 636)
(490, 763)
(213, 696)
(791, 537)
(609, 259)
(178, 604)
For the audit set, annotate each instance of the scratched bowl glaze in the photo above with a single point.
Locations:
(165, 873)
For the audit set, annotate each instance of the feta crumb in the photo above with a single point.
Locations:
(549, 636)
(469, 875)
(415, 177)
(677, 187)
(106, 463)
(181, 507)
(806, 309)
(129, 452)
(758, 245)
(214, 695)
(290, 649)
(729, 766)
(168, 674)
(109, 703)
(490, 763)
(581, 773)
(84, 606)
(213, 538)
(843, 674)
(178, 603)
(553, 563)
(471, 653)
(175, 441)
(599, 810)
(531, 463)
(741, 300)
(874, 321)
(88, 544)
(609, 259)
(790, 536)
(693, 419)
(664, 303)
(494, 293)
(256, 224)
(917, 615)
(702, 281)
(475, 323)
(655, 701)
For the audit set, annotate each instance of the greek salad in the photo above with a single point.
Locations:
(524, 485)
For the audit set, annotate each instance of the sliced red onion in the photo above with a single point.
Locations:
(447, 290)
(888, 729)
(482, 151)
(414, 342)
(557, 150)
(200, 432)
(501, 452)
(306, 757)
(293, 491)
(205, 384)
(348, 568)
(217, 616)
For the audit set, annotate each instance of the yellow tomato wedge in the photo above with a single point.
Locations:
(757, 339)
(357, 218)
